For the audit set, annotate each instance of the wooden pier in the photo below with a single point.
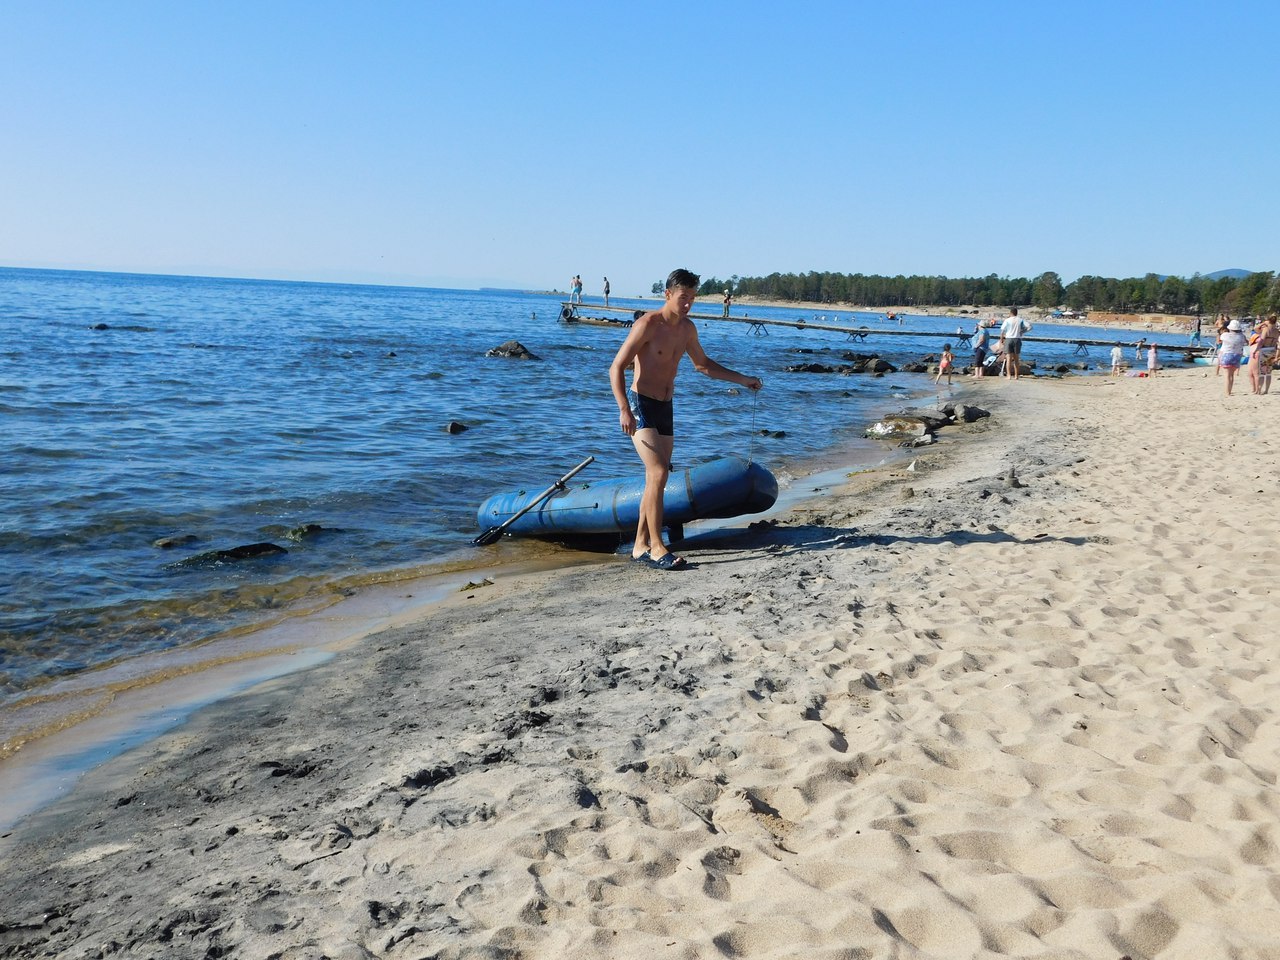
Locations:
(759, 326)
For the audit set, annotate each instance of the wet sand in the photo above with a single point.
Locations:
(944, 711)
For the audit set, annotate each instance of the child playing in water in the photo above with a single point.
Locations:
(1153, 363)
(945, 364)
(1117, 358)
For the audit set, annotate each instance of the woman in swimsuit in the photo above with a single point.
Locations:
(1263, 356)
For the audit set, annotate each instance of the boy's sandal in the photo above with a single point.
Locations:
(668, 561)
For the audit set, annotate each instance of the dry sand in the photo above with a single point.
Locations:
(979, 719)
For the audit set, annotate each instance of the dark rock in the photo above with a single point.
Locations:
(249, 551)
(875, 365)
(915, 367)
(932, 423)
(513, 349)
(306, 530)
(968, 414)
(810, 368)
(453, 426)
(99, 326)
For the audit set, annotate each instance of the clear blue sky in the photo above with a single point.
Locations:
(515, 144)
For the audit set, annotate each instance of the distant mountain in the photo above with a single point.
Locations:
(1235, 273)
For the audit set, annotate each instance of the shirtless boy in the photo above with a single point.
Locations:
(657, 342)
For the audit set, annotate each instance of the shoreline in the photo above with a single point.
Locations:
(803, 744)
(55, 734)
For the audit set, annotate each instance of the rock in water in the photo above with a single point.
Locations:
(248, 551)
(304, 531)
(512, 348)
(453, 426)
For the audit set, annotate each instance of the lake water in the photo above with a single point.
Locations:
(232, 412)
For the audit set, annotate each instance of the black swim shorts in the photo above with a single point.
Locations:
(657, 414)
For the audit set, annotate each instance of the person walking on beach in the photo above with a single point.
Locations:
(1230, 352)
(1220, 327)
(1153, 361)
(654, 347)
(945, 364)
(1011, 332)
(606, 291)
(1117, 359)
(980, 340)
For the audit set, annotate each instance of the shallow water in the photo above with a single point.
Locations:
(233, 412)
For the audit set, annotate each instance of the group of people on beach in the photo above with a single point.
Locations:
(1006, 353)
(1255, 348)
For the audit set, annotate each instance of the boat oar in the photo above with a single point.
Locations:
(494, 534)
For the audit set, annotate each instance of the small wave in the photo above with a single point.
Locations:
(232, 347)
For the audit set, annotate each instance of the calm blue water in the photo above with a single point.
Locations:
(231, 412)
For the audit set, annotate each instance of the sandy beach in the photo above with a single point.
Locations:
(1016, 697)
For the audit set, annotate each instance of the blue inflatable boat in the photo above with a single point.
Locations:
(728, 487)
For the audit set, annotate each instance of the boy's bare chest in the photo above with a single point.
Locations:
(666, 342)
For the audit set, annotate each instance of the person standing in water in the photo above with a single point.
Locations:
(606, 291)
(654, 347)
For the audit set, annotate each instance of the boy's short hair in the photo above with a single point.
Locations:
(683, 278)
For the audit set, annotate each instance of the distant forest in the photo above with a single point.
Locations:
(1257, 293)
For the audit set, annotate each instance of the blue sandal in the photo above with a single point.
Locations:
(668, 561)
